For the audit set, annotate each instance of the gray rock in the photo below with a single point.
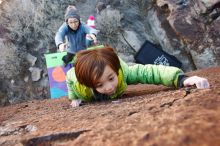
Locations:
(204, 59)
(35, 73)
(31, 59)
(130, 38)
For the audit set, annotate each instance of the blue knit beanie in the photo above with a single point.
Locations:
(72, 14)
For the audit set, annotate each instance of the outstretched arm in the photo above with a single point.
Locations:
(93, 37)
(153, 74)
(91, 32)
(60, 34)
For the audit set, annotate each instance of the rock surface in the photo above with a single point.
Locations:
(145, 115)
(179, 31)
(183, 32)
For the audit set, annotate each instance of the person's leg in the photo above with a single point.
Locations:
(89, 41)
(68, 58)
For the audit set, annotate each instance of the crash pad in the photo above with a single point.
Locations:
(57, 74)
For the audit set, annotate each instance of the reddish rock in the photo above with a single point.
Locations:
(145, 115)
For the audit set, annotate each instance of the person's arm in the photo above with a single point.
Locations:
(153, 74)
(166, 75)
(76, 92)
(70, 82)
(93, 37)
(60, 37)
(91, 32)
(75, 102)
(62, 47)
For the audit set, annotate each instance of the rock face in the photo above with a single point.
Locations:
(183, 32)
(145, 115)
(179, 29)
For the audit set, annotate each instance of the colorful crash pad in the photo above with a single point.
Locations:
(57, 74)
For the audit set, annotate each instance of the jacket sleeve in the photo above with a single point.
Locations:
(60, 34)
(75, 89)
(153, 74)
(70, 82)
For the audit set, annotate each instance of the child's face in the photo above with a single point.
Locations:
(108, 82)
(73, 23)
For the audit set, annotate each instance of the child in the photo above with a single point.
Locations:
(75, 32)
(100, 74)
(91, 21)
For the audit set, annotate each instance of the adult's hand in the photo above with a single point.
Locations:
(62, 47)
(93, 37)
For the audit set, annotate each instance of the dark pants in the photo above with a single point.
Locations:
(68, 58)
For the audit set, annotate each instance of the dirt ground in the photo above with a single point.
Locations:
(145, 115)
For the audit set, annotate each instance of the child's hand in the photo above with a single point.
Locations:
(76, 103)
(201, 83)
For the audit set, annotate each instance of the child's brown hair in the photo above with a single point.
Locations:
(90, 64)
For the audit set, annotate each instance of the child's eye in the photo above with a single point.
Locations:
(111, 78)
(99, 86)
